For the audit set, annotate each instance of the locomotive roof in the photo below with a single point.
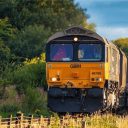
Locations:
(76, 30)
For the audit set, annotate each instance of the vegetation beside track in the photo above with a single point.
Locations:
(94, 121)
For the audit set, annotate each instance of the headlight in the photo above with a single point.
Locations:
(75, 39)
(54, 79)
(98, 79)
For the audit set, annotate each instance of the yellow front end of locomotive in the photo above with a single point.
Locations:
(76, 74)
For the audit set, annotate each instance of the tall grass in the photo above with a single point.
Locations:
(94, 121)
(35, 102)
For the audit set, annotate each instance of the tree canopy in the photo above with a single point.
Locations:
(123, 44)
(5, 56)
(30, 42)
(56, 14)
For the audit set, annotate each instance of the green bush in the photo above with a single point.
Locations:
(4, 55)
(9, 108)
(6, 78)
(30, 83)
(31, 40)
(35, 101)
(32, 75)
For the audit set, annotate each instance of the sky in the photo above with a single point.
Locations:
(110, 17)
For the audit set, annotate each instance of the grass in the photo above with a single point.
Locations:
(106, 121)
(94, 121)
(68, 121)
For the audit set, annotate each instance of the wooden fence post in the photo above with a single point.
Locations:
(31, 123)
(41, 118)
(21, 120)
(83, 123)
(0, 120)
(62, 126)
(10, 121)
(30, 120)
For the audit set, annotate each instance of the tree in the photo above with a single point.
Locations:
(7, 32)
(4, 55)
(58, 14)
(123, 44)
(30, 42)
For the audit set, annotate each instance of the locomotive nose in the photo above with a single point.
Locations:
(81, 75)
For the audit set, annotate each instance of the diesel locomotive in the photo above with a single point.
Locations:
(85, 72)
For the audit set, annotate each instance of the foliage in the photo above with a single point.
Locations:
(10, 102)
(7, 75)
(9, 108)
(7, 32)
(32, 75)
(123, 44)
(4, 55)
(35, 101)
(35, 60)
(57, 14)
(30, 42)
(26, 78)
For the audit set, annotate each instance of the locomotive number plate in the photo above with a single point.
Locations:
(75, 66)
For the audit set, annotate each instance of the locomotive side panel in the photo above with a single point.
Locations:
(127, 72)
(107, 61)
(124, 71)
(114, 58)
(121, 68)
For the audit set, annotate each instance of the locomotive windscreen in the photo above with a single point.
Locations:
(90, 52)
(61, 52)
(66, 52)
